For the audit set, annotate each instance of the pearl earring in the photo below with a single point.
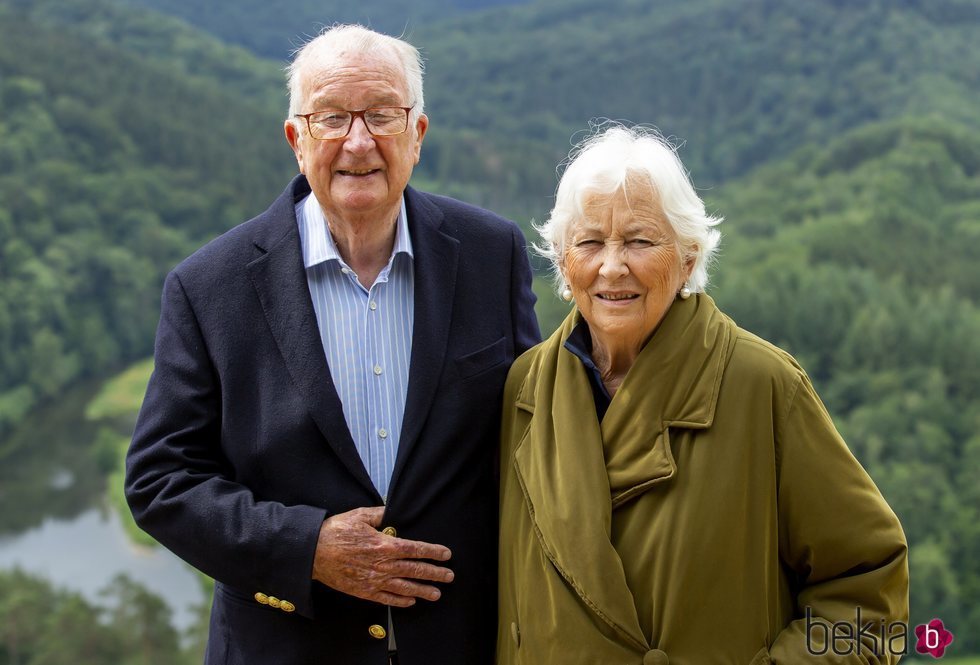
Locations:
(685, 292)
(566, 294)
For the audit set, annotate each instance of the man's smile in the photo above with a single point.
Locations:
(357, 172)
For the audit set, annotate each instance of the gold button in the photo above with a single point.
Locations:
(377, 632)
(286, 606)
(261, 598)
(389, 531)
(274, 602)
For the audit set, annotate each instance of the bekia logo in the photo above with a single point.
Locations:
(933, 638)
(878, 638)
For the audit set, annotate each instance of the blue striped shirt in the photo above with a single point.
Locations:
(366, 335)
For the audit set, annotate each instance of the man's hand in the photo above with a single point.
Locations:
(353, 557)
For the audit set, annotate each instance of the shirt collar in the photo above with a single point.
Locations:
(319, 246)
(579, 342)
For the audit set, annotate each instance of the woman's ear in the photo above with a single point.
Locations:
(689, 262)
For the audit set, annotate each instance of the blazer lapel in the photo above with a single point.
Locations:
(436, 260)
(280, 282)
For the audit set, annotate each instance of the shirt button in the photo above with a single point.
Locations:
(373, 305)
(346, 271)
(377, 370)
(383, 433)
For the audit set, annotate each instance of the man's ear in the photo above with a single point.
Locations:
(293, 139)
(421, 127)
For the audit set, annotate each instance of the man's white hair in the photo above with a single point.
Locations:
(356, 39)
(601, 164)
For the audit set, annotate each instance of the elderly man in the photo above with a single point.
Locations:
(320, 431)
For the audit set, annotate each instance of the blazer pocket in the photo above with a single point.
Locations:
(479, 361)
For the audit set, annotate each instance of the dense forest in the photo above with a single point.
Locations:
(839, 139)
(41, 625)
(111, 169)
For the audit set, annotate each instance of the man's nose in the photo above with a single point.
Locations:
(359, 139)
(613, 261)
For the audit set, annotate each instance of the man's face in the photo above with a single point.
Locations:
(358, 178)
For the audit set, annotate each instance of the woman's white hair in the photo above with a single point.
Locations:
(602, 163)
(355, 39)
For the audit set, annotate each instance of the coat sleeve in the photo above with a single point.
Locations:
(526, 331)
(178, 480)
(843, 541)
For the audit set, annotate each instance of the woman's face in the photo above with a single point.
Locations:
(623, 265)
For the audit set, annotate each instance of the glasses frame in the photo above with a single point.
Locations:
(354, 115)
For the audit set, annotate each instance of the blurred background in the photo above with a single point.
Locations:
(839, 138)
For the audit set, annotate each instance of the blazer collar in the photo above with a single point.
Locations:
(574, 472)
(279, 279)
(436, 262)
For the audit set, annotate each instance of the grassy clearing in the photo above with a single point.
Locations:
(118, 402)
(116, 405)
(121, 395)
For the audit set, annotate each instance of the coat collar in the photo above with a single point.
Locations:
(574, 472)
(280, 283)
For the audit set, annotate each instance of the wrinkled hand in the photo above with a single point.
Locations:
(353, 557)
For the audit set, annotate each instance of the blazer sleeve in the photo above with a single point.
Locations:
(526, 330)
(178, 481)
(840, 537)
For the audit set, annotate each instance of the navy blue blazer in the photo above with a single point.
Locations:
(241, 449)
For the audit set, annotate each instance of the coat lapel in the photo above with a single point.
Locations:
(280, 283)
(561, 470)
(673, 383)
(436, 261)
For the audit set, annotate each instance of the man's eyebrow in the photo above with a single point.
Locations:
(325, 101)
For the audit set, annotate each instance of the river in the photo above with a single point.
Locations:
(55, 521)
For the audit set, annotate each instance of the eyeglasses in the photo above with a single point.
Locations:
(336, 123)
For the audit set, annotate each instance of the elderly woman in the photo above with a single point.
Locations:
(673, 490)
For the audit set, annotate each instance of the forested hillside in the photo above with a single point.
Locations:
(741, 82)
(111, 169)
(839, 139)
(264, 28)
(187, 53)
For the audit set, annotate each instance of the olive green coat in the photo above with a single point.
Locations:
(713, 505)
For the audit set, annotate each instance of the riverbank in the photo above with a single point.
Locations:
(116, 407)
(63, 515)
